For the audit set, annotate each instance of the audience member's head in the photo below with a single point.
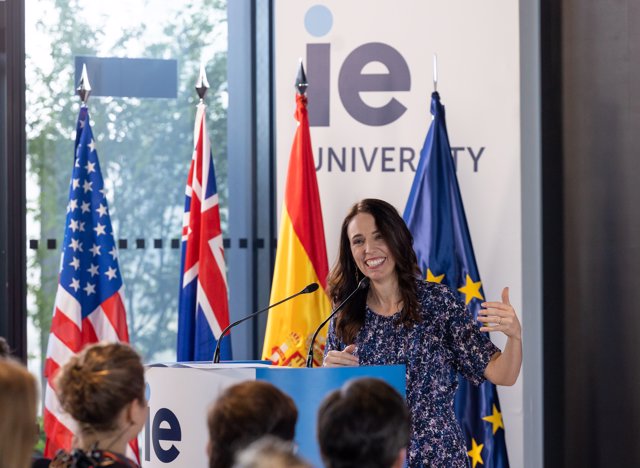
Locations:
(5, 351)
(102, 388)
(364, 423)
(270, 452)
(18, 400)
(244, 413)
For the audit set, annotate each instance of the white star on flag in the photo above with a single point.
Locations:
(92, 145)
(76, 245)
(73, 225)
(93, 269)
(99, 229)
(114, 253)
(111, 273)
(95, 250)
(102, 210)
(90, 167)
(86, 207)
(90, 289)
(87, 186)
(75, 284)
(75, 263)
(76, 183)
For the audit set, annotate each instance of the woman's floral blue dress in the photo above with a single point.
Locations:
(444, 342)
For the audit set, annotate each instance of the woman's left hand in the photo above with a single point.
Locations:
(500, 316)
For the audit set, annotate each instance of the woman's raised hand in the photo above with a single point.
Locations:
(500, 316)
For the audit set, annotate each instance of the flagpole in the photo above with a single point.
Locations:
(90, 284)
(435, 73)
(203, 307)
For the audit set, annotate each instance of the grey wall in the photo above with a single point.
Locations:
(532, 397)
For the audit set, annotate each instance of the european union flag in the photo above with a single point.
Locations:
(435, 216)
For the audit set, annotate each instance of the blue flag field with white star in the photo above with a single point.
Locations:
(436, 218)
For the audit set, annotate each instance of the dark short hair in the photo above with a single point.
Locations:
(364, 423)
(245, 412)
(344, 276)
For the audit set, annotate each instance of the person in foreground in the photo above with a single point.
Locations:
(18, 427)
(244, 413)
(364, 423)
(5, 351)
(401, 319)
(270, 452)
(103, 390)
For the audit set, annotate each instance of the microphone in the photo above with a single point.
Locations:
(216, 355)
(364, 283)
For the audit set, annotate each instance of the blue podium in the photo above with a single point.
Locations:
(179, 396)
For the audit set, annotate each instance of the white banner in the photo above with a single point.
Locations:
(370, 72)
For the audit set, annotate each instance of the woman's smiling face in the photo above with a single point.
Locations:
(369, 249)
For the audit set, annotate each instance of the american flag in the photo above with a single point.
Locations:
(203, 310)
(89, 303)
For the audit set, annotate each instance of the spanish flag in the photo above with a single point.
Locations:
(301, 257)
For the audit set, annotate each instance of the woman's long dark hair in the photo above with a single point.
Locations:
(344, 276)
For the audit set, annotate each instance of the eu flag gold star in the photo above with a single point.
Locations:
(495, 419)
(475, 453)
(471, 290)
(433, 278)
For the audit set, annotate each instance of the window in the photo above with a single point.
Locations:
(144, 145)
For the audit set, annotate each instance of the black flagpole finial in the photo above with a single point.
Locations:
(301, 80)
(202, 85)
(84, 88)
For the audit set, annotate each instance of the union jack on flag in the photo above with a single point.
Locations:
(203, 310)
(89, 304)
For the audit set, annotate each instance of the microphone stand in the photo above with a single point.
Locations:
(364, 282)
(216, 354)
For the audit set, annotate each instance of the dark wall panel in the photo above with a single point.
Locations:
(552, 230)
(601, 182)
(12, 178)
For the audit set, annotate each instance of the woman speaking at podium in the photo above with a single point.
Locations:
(401, 319)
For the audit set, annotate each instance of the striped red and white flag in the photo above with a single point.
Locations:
(89, 304)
